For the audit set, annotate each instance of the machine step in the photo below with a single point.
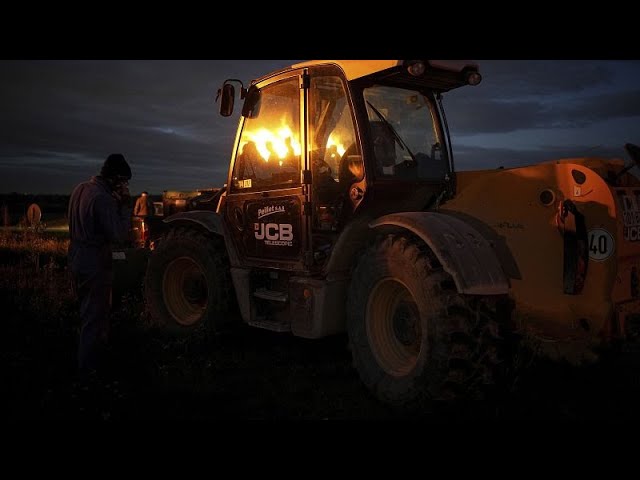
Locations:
(271, 325)
(271, 295)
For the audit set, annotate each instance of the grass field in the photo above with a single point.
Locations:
(245, 374)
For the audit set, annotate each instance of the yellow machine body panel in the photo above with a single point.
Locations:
(519, 211)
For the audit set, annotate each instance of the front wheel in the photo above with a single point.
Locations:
(188, 283)
(413, 338)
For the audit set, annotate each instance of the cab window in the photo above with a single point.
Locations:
(268, 155)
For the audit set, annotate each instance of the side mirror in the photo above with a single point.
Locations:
(226, 94)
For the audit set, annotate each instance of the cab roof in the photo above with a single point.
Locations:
(354, 69)
(441, 76)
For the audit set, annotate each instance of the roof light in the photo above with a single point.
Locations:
(473, 78)
(416, 69)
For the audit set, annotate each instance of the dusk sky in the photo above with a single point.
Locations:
(60, 119)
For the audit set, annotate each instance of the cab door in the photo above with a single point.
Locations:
(265, 207)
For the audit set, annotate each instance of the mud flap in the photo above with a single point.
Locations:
(576, 249)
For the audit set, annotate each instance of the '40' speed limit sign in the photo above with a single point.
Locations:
(601, 244)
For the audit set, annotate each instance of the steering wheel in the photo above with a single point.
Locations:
(345, 174)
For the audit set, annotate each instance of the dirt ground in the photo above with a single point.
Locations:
(245, 374)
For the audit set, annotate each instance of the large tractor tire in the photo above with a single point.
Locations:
(416, 343)
(188, 286)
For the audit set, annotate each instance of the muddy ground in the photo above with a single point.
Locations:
(246, 374)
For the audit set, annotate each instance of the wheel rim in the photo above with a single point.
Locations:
(184, 288)
(393, 325)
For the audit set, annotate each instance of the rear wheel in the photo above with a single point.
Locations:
(413, 338)
(188, 283)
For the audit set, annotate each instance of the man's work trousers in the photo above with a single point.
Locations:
(93, 291)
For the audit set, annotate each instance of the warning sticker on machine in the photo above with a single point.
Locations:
(630, 218)
(601, 244)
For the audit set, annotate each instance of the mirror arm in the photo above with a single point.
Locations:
(243, 91)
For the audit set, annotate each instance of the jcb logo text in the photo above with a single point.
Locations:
(274, 233)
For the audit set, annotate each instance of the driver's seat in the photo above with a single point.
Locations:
(384, 147)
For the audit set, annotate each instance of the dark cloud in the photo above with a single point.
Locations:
(160, 114)
(477, 158)
(544, 77)
(518, 95)
(482, 115)
(596, 108)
